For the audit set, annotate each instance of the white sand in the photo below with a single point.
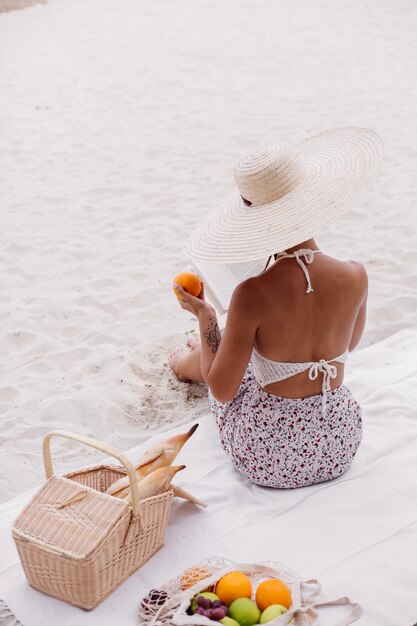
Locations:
(15, 5)
(120, 122)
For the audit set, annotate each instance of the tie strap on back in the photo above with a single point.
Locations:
(329, 373)
(308, 259)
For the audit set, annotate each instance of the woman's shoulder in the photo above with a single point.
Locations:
(247, 298)
(355, 265)
(252, 293)
(244, 291)
(357, 271)
(350, 267)
(351, 276)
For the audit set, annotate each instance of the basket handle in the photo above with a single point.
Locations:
(93, 443)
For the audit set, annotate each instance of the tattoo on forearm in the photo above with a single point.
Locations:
(213, 335)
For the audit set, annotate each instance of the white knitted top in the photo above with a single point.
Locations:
(267, 371)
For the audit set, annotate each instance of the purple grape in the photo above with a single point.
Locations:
(218, 614)
(208, 613)
(200, 611)
(201, 601)
(217, 604)
(156, 594)
(225, 609)
(208, 604)
(156, 597)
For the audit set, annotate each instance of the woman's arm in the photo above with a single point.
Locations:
(210, 338)
(359, 326)
(224, 359)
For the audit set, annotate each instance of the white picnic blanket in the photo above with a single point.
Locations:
(357, 534)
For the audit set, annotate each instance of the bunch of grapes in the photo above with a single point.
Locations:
(213, 610)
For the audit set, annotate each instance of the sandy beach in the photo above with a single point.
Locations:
(120, 123)
(16, 5)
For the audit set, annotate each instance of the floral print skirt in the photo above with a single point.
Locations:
(288, 442)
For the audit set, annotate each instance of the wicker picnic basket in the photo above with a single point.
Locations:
(76, 542)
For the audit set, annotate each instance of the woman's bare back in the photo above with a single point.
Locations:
(296, 326)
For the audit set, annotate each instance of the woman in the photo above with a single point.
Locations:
(276, 373)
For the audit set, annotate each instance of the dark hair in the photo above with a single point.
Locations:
(247, 202)
(269, 260)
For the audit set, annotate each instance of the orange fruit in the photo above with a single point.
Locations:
(272, 591)
(233, 586)
(193, 575)
(189, 282)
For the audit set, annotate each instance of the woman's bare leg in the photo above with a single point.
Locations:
(186, 364)
(193, 341)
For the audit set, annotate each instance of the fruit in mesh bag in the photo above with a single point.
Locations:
(232, 586)
(154, 599)
(204, 601)
(208, 605)
(272, 591)
(245, 612)
(193, 575)
(228, 621)
(273, 611)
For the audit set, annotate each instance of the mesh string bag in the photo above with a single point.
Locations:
(169, 604)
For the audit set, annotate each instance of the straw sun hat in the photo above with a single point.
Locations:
(291, 193)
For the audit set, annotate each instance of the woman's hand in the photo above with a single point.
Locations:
(191, 303)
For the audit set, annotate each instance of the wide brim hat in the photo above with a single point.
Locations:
(292, 192)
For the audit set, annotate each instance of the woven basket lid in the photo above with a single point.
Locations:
(74, 530)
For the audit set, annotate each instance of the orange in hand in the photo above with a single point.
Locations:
(272, 591)
(189, 282)
(233, 586)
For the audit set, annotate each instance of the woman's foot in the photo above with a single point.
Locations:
(176, 361)
(193, 341)
(186, 364)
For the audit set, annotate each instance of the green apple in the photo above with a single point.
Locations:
(206, 594)
(228, 621)
(273, 611)
(245, 612)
